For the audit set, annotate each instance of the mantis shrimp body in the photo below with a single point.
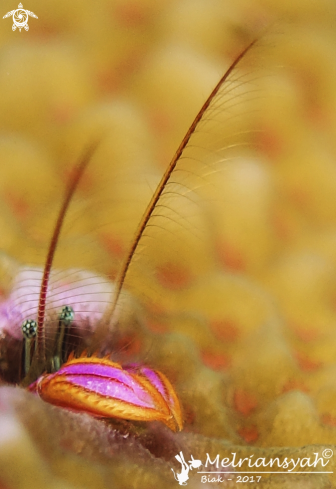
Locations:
(94, 383)
(103, 388)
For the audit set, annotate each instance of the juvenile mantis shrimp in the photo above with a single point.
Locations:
(91, 383)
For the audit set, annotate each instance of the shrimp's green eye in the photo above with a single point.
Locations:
(67, 315)
(29, 329)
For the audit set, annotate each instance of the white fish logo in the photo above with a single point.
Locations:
(20, 18)
(183, 476)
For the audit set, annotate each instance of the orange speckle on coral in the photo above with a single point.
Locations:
(18, 205)
(112, 244)
(160, 122)
(108, 80)
(155, 309)
(300, 197)
(112, 271)
(230, 257)
(4, 486)
(305, 334)
(293, 385)
(328, 419)
(282, 227)
(244, 402)
(269, 142)
(157, 326)
(216, 361)
(173, 277)
(318, 116)
(62, 113)
(307, 364)
(129, 65)
(249, 434)
(224, 329)
(112, 78)
(130, 14)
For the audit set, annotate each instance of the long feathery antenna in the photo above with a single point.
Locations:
(162, 185)
(69, 193)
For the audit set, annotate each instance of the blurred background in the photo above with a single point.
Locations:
(236, 276)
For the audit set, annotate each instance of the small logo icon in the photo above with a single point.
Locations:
(20, 18)
(183, 476)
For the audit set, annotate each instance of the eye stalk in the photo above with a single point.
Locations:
(29, 330)
(66, 317)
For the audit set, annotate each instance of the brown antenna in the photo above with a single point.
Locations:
(162, 185)
(69, 193)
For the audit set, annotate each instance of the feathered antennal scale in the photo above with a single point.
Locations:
(167, 176)
(97, 385)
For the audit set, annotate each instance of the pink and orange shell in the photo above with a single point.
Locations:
(103, 388)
